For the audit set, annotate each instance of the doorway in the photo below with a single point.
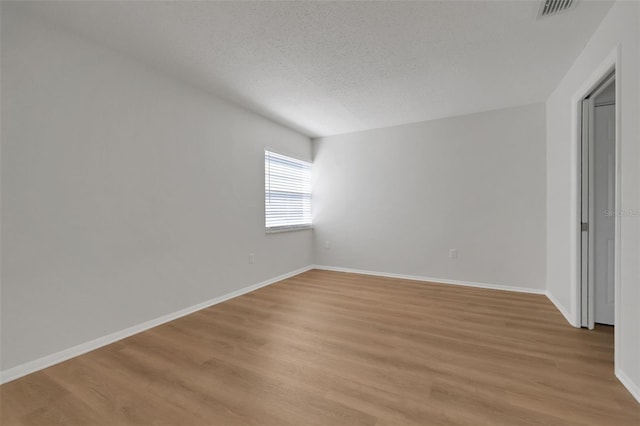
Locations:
(598, 204)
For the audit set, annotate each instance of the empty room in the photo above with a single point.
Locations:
(325, 213)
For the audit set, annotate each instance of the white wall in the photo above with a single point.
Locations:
(618, 29)
(395, 200)
(126, 195)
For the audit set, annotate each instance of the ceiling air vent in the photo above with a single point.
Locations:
(552, 7)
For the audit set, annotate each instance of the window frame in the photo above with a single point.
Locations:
(292, 227)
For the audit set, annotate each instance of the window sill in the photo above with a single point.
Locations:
(280, 229)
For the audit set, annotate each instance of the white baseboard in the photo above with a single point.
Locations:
(562, 310)
(58, 357)
(633, 388)
(433, 280)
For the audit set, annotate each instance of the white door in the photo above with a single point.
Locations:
(603, 220)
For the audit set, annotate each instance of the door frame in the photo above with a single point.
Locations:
(609, 64)
(587, 204)
(587, 287)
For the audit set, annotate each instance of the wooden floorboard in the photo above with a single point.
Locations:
(329, 348)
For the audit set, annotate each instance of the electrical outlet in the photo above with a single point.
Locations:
(252, 258)
(327, 245)
(453, 253)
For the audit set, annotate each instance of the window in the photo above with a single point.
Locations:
(287, 192)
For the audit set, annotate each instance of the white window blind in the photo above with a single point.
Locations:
(287, 191)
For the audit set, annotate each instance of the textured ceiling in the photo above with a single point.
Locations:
(325, 68)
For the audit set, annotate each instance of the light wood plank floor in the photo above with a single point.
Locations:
(328, 348)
